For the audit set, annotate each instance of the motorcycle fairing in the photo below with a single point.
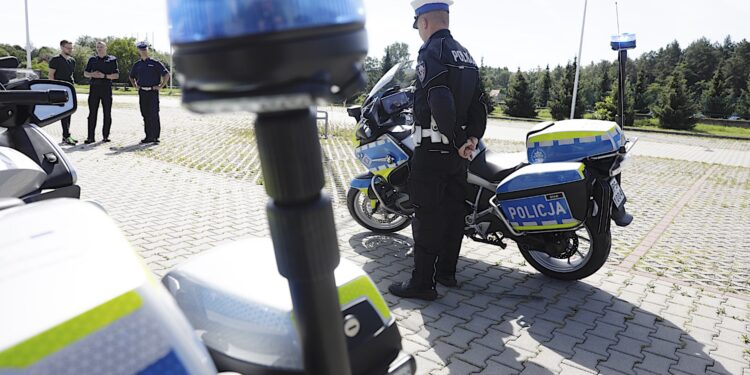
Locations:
(572, 140)
(381, 156)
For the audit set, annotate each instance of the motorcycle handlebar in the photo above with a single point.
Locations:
(32, 97)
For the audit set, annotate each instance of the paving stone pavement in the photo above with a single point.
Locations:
(505, 318)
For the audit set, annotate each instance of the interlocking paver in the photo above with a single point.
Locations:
(655, 363)
(478, 354)
(495, 368)
(620, 362)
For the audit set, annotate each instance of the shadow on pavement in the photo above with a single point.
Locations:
(130, 148)
(497, 305)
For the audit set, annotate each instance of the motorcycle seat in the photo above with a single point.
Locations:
(495, 166)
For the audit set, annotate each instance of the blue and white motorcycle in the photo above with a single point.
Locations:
(555, 200)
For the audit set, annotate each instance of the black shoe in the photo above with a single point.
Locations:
(447, 280)
(155, 141)
(89, 141)
(146, 140)
(105, 140)
(407, 290)
(621, 217)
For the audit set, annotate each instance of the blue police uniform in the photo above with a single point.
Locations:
(147, 73)
(448, 110)
(100, 90)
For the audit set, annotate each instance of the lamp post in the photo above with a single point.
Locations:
(28, 40)
(578, 66)
(622, 43)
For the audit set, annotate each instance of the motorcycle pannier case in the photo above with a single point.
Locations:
(572, 140)
(544, 197)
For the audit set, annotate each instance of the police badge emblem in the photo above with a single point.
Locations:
(421, 71)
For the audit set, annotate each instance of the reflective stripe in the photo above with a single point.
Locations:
(52, 340)
(534, 226)
(364, 287)
(563, 136)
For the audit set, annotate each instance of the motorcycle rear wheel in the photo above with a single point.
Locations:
(581, 263)
(380, 221)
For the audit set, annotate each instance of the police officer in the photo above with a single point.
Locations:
(61, 68)
(450, 118)
(101, 69)
(149, 76)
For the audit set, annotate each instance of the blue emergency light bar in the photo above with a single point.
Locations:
(622, 41)
(202, 20)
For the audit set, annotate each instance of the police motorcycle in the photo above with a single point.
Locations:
(32, 166)
(78, 300)
(555, 200)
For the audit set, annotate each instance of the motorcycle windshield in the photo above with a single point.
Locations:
(401, 75)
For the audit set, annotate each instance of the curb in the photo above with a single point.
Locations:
(635, 128)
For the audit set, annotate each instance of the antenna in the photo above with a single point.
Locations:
(617, 15)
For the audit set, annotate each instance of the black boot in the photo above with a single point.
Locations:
(422, 283)
(621, 217)
(446, 280)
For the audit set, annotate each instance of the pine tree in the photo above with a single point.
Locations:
(561, 95)
(544, 87)
(716, 101)
(387, 62)
(640, 104)
(605, 85)
(743, 104)
(520, 101)
(674, 108)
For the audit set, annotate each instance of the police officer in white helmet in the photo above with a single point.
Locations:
(450, 118)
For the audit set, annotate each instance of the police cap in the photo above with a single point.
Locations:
(425, 6)
(142, 45)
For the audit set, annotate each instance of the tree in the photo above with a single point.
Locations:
(388, 62)
(629, 100)
(640, 98)
(127, 55)
(544, 87)
(373, 70)
(737, 68)
(717, 100)
(561, 95)
(520, 101)
(399, 52)
(701, 60)
(81, 54)
(674, 108)
(605, 85)
(606, 109)
(743, 104)
(666, 59)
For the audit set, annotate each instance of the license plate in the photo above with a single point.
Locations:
(618, 197)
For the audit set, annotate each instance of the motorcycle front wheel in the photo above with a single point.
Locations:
(585, 252)
(379, 220)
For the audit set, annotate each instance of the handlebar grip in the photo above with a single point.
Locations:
(32, 97)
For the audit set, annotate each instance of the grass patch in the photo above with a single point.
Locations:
(543, 114)
(699, 129)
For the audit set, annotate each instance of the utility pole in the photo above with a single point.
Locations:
(28, 40)
(578, 66)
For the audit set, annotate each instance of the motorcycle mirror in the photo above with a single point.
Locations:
(8, 62)
(60, 92)
(355, 111)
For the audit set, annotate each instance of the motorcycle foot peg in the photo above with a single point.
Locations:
(621, 217)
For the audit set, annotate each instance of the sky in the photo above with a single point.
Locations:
(510, 33)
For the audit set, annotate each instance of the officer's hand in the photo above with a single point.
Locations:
(466, 150)
(157, 87)
(474, 141)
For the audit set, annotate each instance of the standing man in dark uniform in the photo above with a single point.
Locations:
(148, 77)
(450, 118)
(61, 68)
(101, 69)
